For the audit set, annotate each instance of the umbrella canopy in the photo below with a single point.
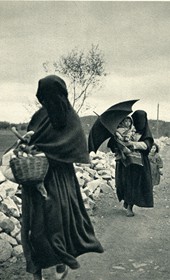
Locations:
(107, 123)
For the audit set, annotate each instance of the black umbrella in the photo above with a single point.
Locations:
(107, 123)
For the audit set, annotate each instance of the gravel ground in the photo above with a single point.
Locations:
(135, 248)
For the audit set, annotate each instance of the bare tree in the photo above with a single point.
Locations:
(84, 72)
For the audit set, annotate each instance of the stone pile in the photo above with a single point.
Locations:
(162, 142)
(94, 178)
(10, 220)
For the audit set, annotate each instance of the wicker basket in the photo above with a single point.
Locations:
(28, 170)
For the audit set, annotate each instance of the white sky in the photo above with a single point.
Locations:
(134, 37)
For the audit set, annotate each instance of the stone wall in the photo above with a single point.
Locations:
(10, 218)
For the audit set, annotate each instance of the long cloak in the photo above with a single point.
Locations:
(134, 182)
(58, 229)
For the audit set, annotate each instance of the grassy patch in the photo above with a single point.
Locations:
(7, 139)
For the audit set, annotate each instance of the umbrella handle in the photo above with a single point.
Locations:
(95, 113)
(120, 142)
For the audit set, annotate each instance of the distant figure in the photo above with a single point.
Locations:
(156, 163)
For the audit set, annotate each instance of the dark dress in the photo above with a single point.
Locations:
(57, 230)
(134, 182)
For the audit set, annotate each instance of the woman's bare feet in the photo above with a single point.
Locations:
(38, 275)
(129, 212)
(125, 205)
(61, 271)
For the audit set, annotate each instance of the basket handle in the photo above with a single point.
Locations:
(14, 130)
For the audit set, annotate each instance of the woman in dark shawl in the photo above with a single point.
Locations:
(133, 182)
(55, 231)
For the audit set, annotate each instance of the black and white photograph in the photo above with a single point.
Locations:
(84, 140)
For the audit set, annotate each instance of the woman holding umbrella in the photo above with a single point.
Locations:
(133, 181)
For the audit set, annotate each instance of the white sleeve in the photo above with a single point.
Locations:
(139, 145)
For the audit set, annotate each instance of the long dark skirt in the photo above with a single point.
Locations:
(134, 184)
(58, 229)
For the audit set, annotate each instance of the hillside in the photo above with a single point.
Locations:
(87, 122)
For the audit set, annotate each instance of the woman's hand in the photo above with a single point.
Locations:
(28, 135)
(25, 138)
(130, 145)
(139, 145)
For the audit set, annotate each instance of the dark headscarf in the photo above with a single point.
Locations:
(140, 122)
(52, 94)
(57, 127)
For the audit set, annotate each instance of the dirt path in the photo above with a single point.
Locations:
(136, 248)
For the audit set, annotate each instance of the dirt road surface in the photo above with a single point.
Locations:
(136, 248)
